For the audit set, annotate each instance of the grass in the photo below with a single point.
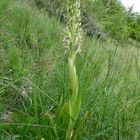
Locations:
(33, 77)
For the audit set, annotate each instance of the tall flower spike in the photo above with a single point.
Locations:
(73, 31)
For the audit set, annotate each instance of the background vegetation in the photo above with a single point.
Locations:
(101, 18)
(33, 74)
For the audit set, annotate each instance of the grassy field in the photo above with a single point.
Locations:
(33, 76)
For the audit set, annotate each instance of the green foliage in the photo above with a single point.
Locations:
(33, 78)
(133, 21)
(101, 16)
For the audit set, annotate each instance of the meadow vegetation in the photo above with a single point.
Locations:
(34, 74)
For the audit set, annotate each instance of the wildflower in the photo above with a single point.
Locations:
(73, 31)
